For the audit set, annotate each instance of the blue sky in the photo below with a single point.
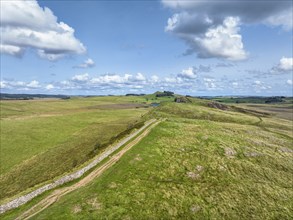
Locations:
(116, 47)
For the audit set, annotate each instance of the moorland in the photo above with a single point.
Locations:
(204, 159)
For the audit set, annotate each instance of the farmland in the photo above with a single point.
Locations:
(202, 162)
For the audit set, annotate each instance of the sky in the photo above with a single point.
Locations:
(200, 48)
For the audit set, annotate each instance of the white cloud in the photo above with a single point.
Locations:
(49, 87)
(33, 84)
(140, 83)
(11, 50)
(81, 77)
(137, 87)
(110, 78)
(259, 85)
(155, 79)
(286, 64)
(267, 12)
(210, 83)
(24, 24)
(289, 81)
(86, 64)
(188, 73)
(126, 79)
(139, 77)
(170, 79)
(211, 28)
(65, 82)
(222, 41)
(3, 85)
(284, 19)
(20, 85)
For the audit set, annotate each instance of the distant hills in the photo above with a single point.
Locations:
(225, 99)
(7, 96)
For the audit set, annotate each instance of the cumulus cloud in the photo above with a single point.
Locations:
(24, 24)
(212, 28)
(118, 82)
(186, 79)
(81, 77)
(139, 77)
(49, 87)
(20, 85)
(11, 50)
(259, 85)
(86, 64)
(86, 83)
(222, 41)
(257, 82)
(154, 79)
(210, 83)
(188, 73)
(107, 81)
(192, 73)
(33, 84)
(286, 64)
(3, 85)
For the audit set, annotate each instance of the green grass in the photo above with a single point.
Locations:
(258, 100)
(43, 107)
(195, 111)
(283, 111)
(37, 135)
(183, 170)
(151, 181)
(52, 138)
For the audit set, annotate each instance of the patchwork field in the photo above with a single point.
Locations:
(202, 162)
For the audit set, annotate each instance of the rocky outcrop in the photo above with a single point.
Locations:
(182, 99)
(218, 105)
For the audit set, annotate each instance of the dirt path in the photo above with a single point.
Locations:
(57, 194)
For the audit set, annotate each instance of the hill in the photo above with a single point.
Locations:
(205, 161)
(6, 96)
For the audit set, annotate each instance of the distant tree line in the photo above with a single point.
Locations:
(7, 96)
(132, 94)
(165, 93)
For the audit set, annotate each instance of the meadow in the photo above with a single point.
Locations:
(43, 139)
(200, 163)
(254, 99)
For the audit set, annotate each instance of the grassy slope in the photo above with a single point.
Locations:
(181, 171)
(284, 111)
(256, 100)
(45, 139)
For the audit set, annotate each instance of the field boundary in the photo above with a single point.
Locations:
(77, 174)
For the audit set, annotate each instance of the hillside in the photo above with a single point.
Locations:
(205, 161)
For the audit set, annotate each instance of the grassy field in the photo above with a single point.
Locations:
(42, 139)
(283, 111)
(201, 163)
(255, 100)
